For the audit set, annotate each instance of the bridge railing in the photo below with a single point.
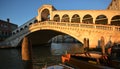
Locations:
(66, 24)
(117, 29)
(80, 25)
(104, 27)
(17, 35)
(13, 37)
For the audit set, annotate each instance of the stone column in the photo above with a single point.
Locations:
(109, 20)
(27, 53)
(94, 18)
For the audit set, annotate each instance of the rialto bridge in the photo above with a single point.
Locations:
(80, 24)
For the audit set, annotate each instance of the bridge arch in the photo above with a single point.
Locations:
(75, 18)
(115, 20)
(25, 26)
(13, 33)
(30, 23)
(77, 30)
(56, 18)
(21, 29)
(87, 19)
(35, 21)
(65, 18)
(101, 19)
(45, 15)
(42, 36)
(17, 31)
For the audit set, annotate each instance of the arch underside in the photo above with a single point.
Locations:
(39, 37)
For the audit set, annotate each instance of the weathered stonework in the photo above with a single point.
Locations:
(114, 5)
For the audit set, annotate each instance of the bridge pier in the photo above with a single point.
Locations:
(27, 53)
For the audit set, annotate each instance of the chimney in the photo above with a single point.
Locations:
(8, 20)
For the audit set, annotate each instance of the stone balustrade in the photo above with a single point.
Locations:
(72, 27)
(78, 25)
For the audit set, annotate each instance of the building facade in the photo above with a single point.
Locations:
(114, 5)
(6, 28)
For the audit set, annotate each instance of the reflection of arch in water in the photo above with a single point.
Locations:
(62, 48)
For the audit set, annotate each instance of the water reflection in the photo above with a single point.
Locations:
(61, 48)
(42, 55)
(10, 59)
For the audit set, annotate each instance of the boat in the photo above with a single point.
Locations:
(115, 55)
(91, 60)
(94, 59)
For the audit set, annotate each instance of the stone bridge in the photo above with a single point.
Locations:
(80, 31)
(42, 32)
(80, 24)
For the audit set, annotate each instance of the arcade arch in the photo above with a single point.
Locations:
(115, 20)
(45, 15)
(30, 23)
(35, 21)
(101, 19)
(25, 26)
(87, 19)
(17, 31)
(21, 29)
(75, 18)
(13, 33)
(56, 18)
(65, 18)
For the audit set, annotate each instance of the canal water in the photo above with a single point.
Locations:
(42, 55)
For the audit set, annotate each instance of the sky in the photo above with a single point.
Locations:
(20, 11)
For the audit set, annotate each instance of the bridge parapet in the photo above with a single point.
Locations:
(18, 34)
(78, 25)
(78, 30)
(14, 39)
